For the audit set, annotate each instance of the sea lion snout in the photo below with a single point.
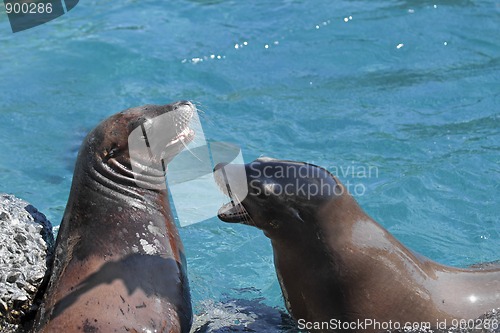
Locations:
(268, 187)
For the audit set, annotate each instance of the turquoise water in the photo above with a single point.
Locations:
(407, 89)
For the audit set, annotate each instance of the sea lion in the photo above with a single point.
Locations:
(120, 264)
(338, 269)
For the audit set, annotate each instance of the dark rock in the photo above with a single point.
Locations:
(26, 254)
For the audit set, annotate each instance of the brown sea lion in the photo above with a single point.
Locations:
(119, 263)
(339, 270)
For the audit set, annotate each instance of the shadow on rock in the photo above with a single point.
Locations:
(240, 315)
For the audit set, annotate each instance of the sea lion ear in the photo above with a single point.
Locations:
(296, 214)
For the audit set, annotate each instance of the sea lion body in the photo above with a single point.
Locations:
(338, 269)
(119, 263)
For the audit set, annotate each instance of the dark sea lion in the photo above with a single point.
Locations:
(339, 270)
(119, 263)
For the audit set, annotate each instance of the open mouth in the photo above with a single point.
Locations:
(184, 137)
(233, 211)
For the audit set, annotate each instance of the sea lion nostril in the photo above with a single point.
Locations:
(184, 103)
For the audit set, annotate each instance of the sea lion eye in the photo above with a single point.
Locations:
(112, 152)
(271, 189)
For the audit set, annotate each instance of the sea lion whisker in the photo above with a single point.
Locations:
(190, 151)
(242, 210)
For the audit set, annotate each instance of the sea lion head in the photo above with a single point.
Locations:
(271, 194)
(133, 147)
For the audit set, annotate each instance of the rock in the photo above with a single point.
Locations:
(26, 255)
(240, 315)
(13, 276)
